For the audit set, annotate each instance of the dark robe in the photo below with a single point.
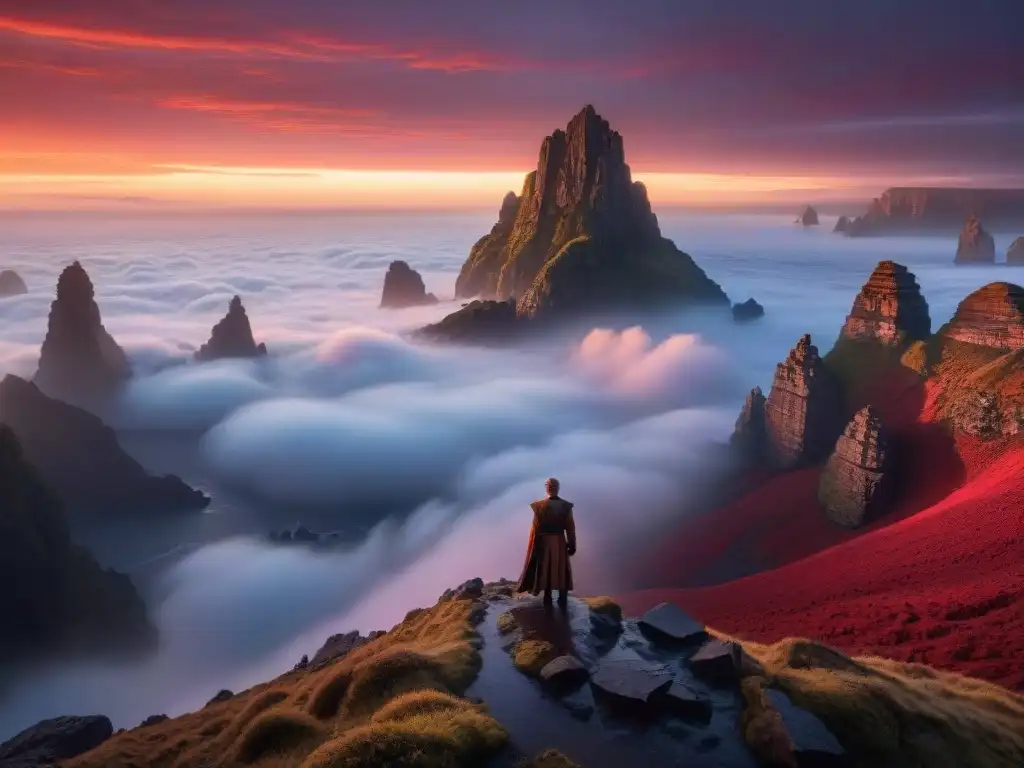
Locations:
(552, 540)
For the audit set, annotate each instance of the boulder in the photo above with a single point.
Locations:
(62, 598)
(337, 646)
(889, 309)
(467, 590)
(814, 745)
(722, 662)
(630, 682)
(857, 483)
(804, 411)
(808, 217)
(80, 459)
(153, 720)
(749, 439)
(50, 741)
(79, 361)
(981, 414)
(976, 246)
(564, 671)
(747, 311)
(1015, 253)
(992, 316)
(403, 287)
(11, 284)
(231, 337)
(842, 224)
(667, 621)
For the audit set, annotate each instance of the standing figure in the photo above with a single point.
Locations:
(552, 542)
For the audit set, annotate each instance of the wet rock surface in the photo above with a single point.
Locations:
(857, 483)
(976, 246)
(889, 309)
(814, 746)
(718, 662)
(667, 622)
(231, 337)
(992, 316)
(404, 287)
(803, 412)
(747, 311)
(11, 284)
(50, 741)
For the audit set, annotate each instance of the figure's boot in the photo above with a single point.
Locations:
(547, 598)
(563, 599)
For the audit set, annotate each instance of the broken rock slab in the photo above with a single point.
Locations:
(669, 622)
(814, 745)
(565, 671)
(631, 682)
(682, 701)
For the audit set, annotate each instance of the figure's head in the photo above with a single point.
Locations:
(551, 485)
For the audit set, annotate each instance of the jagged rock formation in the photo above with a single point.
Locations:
(747, 311)
(403, 287)
(482, 320)
(842, 224)
(856, 485)
(11, 284)
(231, 337)
(909, 210)
(749, 439)
(79, 458)
(889, 309)
(809, 217)
(803, 412)
(56, 597)
(1015, 253)
(976, 246)
(992, 316)
(584, 237)
(79, 361)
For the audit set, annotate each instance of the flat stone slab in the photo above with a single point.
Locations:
(631, 681)
(565, 670)
(682, 701)
(717, 661)
(814, 745)
(669, 621)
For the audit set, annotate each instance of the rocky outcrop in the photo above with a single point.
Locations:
(889, 309)
(856, 485)
(842, 224)
(1015, 253)
(992, 316)
(809, 217)
(584, 237)
(983, 414)
(231, 337)
(747, 311)
(803, 412)
(79, 457)
(749, 439)
(11, 284)
(484, 321)
(976, 246)
(403, 287)
(50, 741)
(79, 361)
(913, 210)
(56, 597)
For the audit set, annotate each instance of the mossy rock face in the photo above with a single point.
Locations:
(531, 656)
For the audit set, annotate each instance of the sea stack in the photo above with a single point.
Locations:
(803, 413)
(79, 361)
(11, 284)
(1015, 253)
(747, 311)
(889, 309)
(976, 246)
(856, 484)
(809, 217)
(403, 287)
(842, 224)
(231, 337)
(584, 238)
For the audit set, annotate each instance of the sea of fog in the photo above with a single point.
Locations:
(423, 458)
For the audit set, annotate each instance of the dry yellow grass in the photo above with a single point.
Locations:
(277, 731)
(762, 726)
(889, 713)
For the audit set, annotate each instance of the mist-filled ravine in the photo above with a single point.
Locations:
(422, 458)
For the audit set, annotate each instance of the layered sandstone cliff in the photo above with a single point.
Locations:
(906, 210)
(857, 483)
(975, 246)
(404, 287)
(231, 337)
(992, 317)
(889, 309)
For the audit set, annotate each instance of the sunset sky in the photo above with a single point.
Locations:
(416, 102)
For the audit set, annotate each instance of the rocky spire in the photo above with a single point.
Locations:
(403, 287)
(808, 217)
(976, 246)
(749, 439)
(803, 413)
(79, 361)
(856, 484)
(992, 316)
(842, 224)
(889, 308)
(1015, 253)
(11, 284)
(231, 337)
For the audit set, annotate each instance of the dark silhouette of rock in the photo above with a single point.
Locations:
(976, 246)
(809, 217)
(842, 224)
(804, 412)
(50, 741)
(564, 672)
(337, 646)
(467, 590)
(403, 287)
(813, 743)
(231, 337)
(667, 621)
(583, 239)
(889, 308)
(1015, 253)
(747, 311)
(908, 210)
(79, 361)
(222, 695)
(682, 701)
(79, 457)
(11, 284)
(750, 439)
(483, 320)
(992, 316)
(857, 483)
(153, 720)
(56, 597)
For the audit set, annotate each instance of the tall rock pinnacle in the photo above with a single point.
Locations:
(404, 287)
(889, 308)
(79, 361)
(232, 336)
(856, 484)
(976, 246)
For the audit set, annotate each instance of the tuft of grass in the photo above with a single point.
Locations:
(604, 606)
(416, 704)
(550, 758)
(325, 700)
(531, 656)
(507, 623)
(277, 732)
(376, 683)
(762, 726)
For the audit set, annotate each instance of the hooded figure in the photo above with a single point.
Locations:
(552, 542)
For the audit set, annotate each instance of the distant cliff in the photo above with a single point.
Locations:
(909, 210)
